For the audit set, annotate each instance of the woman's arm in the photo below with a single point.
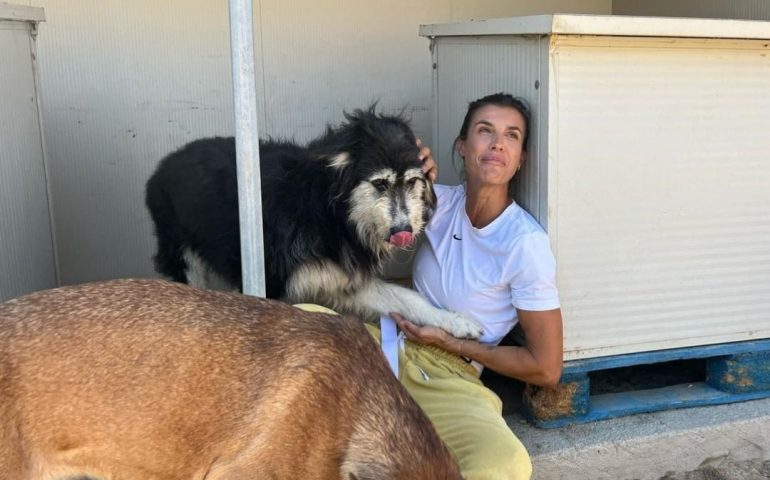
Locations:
(538, 362)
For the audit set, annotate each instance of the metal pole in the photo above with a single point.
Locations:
(247, 147)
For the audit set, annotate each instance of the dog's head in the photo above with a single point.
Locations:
(379, 181)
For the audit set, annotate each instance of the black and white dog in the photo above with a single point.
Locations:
(333, 212)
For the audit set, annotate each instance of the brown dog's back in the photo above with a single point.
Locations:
(149, 379)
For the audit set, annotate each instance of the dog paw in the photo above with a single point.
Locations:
(461, 326)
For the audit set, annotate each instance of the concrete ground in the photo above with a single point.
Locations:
(724, 442)
(726, 469)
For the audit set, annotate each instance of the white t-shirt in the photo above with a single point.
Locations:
(486, 273)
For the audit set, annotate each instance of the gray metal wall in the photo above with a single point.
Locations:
(469, 68)
(126, 82)
(740, 9)
(26, 248)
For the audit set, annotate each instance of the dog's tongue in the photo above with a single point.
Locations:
(401, 239)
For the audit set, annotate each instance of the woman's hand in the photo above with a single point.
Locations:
(429, 165)
(426, 334)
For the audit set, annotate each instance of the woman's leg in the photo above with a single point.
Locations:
(466, 414)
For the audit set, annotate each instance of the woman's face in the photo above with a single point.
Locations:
(493, 149)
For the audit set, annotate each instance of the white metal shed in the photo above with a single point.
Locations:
(649, 166)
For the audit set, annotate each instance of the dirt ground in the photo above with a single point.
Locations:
(725, 469)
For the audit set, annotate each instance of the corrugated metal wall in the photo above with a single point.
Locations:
(122, 84)
(126, 82)
(465, 74)
(660, 216)
(27, 255)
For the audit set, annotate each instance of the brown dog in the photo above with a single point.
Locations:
(147, 379)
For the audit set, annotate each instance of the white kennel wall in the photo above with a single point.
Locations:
(649, 168)
(27, 260)
(125, 82)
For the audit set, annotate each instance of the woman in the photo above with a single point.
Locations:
(486, 257)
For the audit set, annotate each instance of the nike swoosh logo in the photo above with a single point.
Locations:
(454, 235)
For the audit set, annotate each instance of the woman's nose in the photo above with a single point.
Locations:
(497, 143)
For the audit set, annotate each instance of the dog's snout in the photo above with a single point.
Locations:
(401, 235)
(401, 228)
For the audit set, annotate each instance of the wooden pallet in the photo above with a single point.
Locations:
(734, 372)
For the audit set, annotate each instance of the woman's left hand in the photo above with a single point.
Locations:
(426, 334)
(428, 164)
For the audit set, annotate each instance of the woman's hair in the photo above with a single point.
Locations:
(501, 99)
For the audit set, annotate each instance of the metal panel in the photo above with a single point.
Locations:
(469, 68)
(27, 260)
(322, 59)
(11, 11)
(124, 83)
(662, 174)
(603, 25)
(744, 9)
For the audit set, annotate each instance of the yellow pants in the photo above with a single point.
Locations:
(466, 414)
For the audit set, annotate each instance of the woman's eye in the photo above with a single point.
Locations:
(380, 185)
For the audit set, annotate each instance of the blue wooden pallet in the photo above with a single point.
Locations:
(735, 372)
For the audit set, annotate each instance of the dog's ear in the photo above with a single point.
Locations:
(429, 197)
(339, 174)
(338, 161)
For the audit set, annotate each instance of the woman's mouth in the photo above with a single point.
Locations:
(493, 159)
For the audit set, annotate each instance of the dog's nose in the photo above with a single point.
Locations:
(401, 228)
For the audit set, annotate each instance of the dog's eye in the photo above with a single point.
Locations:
(412, 182)
(380, 184)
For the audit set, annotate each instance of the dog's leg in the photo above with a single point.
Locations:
(196, 271)
(168, 260)
(327, 284)
(200, 275)
(385, 297)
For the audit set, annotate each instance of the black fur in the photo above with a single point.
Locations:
(193, 200)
